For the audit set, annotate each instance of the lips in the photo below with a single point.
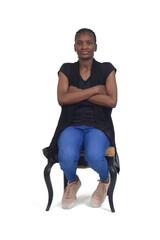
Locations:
(84, 52)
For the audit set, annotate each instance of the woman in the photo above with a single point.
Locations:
(87, 92)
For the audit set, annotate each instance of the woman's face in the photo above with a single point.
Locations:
(85, 45)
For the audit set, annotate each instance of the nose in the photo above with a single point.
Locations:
(84, 46)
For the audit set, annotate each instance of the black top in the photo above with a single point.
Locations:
(84, 114)
(106, 68)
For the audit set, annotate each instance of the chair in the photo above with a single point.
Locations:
(110, 155)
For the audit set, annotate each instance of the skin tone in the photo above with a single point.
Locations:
(85, 47)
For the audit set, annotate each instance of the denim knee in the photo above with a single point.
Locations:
(94, 158)
(68, 161)
(98, 163)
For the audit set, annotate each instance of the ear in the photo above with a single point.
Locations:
(95, 47)
(75, 47)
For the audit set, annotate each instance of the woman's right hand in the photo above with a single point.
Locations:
(100, 89)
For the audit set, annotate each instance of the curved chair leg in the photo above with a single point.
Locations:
(113, 174)
(49, 184)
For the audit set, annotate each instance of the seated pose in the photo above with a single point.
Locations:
(87, 92)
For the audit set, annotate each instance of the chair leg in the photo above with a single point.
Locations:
(49, 184)
(113, 174)
(111, 203)
(65, 181)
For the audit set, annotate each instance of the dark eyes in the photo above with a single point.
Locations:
(88, 43)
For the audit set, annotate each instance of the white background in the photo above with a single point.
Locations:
(37, 37)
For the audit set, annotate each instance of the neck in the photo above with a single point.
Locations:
(85, 64)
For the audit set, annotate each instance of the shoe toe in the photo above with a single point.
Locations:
(69, 205)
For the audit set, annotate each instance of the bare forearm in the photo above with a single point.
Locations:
(77, 96)
(97, 95)
(103, 100)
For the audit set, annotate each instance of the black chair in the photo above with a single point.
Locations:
(110, 156)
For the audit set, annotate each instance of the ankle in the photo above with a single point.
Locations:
(106, 181)
(76, 179)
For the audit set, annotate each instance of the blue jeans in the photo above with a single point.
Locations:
(70, 143)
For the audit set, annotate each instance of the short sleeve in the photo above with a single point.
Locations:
(65, 68)
(109, 68)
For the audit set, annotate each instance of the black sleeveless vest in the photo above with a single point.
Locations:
(102, 114)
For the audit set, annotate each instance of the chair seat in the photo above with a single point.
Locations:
(110, 152)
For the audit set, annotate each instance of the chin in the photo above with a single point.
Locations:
(85, 57)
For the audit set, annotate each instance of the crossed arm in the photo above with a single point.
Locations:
(99, 94)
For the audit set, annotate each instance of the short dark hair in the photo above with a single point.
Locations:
(83, 30)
